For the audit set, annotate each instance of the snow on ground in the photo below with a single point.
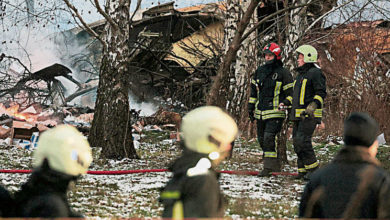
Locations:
(136, 195)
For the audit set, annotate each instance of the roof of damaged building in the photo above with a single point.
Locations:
(211, 7)
(161, 10)
(355, 45)
(203, 41)
(368, 36)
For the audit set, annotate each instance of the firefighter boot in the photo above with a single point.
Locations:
(270, 165)
(265, 173)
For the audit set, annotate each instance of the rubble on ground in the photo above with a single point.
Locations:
(18, 124)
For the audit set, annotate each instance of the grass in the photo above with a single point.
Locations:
(383, 156)
(108, 196)
(261, 208)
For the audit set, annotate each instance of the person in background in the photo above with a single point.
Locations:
(193, 191)
(270, 86)
(63, 154)
(353, 185)
(306, 108)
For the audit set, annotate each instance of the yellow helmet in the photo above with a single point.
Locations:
(66, 150)
(204, 122)
(310, 54)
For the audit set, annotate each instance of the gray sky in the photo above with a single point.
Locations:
(373, 10)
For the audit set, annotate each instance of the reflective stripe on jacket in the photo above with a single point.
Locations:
(192, 194)
(271, 85)
(309, 86)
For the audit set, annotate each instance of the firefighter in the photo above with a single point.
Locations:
(6, 202)
(270, 86)
(353, 185)
(63, 154)
(193, 191)
(307, 103)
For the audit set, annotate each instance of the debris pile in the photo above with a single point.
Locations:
(160, 120)
(21, 127)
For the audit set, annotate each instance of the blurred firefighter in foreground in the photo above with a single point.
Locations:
(6, 202)
(63, 154)
(270, 86)
(193, 191)
(307, 103)
(353, 185)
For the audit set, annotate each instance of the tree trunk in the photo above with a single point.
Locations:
(111, 128)
(220, 88)
(241, 73)
(295, 23)
(282, 142)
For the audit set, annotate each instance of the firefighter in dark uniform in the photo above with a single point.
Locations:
(270, 86)
(194, 191)
(307, 103)
(353, 185)
(63, 154)
(6, 202)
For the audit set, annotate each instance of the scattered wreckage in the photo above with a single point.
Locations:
(22, 127)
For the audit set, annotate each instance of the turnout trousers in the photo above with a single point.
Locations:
(266, 135)
(302, 134)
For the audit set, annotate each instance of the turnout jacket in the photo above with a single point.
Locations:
(44, 195)
(309, 86)
(6, 202)
(352, 186)
(193, 191)
(271, 85)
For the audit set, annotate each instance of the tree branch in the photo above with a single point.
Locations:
(17, 59)
(86, 26)
(327, 13)
(246, 35)
(231, 54)
(106, 16)
(135, 11)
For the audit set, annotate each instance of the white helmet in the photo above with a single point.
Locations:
(66, 150)
(205, 123)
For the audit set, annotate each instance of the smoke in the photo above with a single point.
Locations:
(37, 47)
(147, 108)
(43, 41)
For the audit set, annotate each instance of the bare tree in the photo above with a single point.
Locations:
(111, 128)
(355, 58)
(229, 83)
(244, 65)
(29, 46)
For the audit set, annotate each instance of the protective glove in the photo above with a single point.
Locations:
(282, 107)
(310, 109)
(251, 111)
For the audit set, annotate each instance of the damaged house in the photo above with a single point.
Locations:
(158, 63)
(158, 66)
(175, 54)
(174, 51)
